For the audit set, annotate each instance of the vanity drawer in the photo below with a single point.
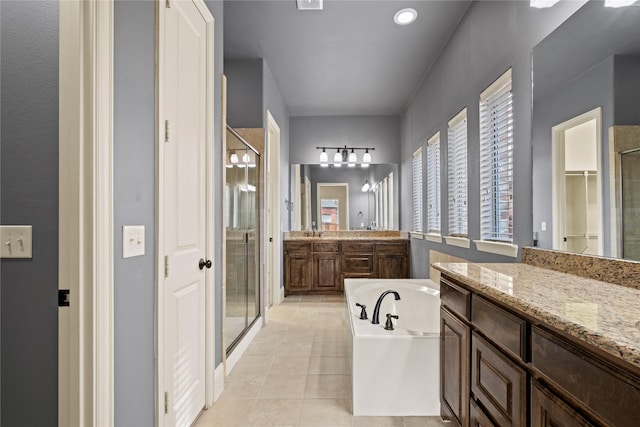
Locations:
(357, 263)
(504, 328)
(297, 247)
(498, 383)
(608, 394)
(357, 247)
(455, 298)
(391, 247)
(325, 247)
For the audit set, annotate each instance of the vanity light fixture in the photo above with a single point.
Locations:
(618, 3)
(365, 186)
(234, 158)
(405, 16)
(309, 4)
(541, 4)
(345, 155)
(246, 158)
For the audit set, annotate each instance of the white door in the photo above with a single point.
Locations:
(184, 210)
(273, 213)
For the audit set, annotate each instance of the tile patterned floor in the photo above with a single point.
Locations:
(295, 373)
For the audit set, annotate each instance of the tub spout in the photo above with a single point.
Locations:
(375, 319)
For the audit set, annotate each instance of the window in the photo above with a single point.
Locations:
(391, 201)
(496, 161)
(416, 190)
(433, 184)
(385, 204)
(457, 175)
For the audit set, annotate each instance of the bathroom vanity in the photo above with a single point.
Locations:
(319, 265)
(525, 345)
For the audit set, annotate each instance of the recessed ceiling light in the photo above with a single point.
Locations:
(405, 16)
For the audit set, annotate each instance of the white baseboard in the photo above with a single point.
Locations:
(218, 381)
(281, 296)
(242, 346)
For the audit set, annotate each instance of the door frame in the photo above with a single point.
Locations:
(85, 236)
(557, 174)
(275, 293)
(319, 208)
(210, 203)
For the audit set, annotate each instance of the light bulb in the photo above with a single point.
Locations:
(337, 158)
(246, 158)
(352, 159)
(366, 158)
(324, 157)
(234, 158)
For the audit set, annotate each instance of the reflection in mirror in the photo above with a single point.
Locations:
(590, 62)
(368, 203)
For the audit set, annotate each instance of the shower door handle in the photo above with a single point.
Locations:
(202, 264)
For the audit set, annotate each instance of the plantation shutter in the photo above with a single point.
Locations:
(416, 191)
(433, 184)
(391, 201)
(457, 175)
(496, 160)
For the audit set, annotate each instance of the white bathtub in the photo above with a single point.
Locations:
(394, 373)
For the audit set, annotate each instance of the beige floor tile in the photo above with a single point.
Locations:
(328, 365)
(326, 387)
(252, 366)
(240, 387)
(286, 366)
(226, 413)
(294, 349)
(276, 387)
(378, 422)
(325, 413)
(329, 349)
(424, 422)
(275, 412)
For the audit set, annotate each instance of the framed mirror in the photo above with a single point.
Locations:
(368, 201)
(585, 91)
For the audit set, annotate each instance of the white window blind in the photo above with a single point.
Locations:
(433, 184)
(496, 161)
(416, 191)
(391, 201)
(457, 175)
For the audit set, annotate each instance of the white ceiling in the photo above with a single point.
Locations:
(348, 59)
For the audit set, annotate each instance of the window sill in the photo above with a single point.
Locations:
(498, 248)
(415, 235)
(461, 242)
(436, 238)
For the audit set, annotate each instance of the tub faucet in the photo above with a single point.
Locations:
(375, 319)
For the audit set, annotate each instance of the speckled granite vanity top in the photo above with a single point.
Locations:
(347, 235)
(602, 314)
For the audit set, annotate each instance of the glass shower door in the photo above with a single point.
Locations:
(630, 165)
(242, 235)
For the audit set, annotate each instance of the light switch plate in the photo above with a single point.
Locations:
(543, 226)
(132, 240)
(16, 241)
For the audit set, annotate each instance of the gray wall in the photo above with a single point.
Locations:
(380, 132)
(244, 92)
(584, 92)
(479, 50)
(134, 204)
(29, 195)
(627, 89)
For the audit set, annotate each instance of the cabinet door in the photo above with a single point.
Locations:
(326, 272)
(297, 273)
(454, 368)
(498, 383)
(548, 410)
(392, 266)
(477, 418)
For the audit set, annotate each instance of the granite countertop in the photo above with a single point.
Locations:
(332, 238)
(602, 314)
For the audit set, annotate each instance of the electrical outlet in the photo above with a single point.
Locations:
(132, 240)
(16, 241)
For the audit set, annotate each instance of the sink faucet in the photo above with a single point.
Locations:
(375, 319)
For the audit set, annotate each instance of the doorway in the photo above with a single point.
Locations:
(333, 206)
(577, 207)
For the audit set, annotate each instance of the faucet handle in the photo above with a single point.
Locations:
(389, 325)
(363, 312)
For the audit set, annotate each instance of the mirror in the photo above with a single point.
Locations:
(369, 202)
(585, 73)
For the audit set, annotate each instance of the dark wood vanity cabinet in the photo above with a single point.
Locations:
(332, 261)
(501, 367)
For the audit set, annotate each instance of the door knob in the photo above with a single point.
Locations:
(202, 264)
